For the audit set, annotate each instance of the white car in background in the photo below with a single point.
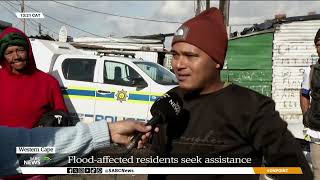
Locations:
(97, 88)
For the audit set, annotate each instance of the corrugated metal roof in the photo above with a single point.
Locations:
(269, 25)
(119, 43)
(293, 51)
(121, 46)
(146, 56)
(116, 40)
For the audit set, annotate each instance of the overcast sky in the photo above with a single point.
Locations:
(241, 13)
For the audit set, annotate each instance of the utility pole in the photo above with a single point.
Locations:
(23, 20)
(207, 4)
(198, 9)
(224, 8)
(40, 31)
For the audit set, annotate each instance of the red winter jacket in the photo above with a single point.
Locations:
(26, 97)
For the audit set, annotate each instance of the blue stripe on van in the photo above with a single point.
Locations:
(92, 93)
(139, 97)
(79, 92)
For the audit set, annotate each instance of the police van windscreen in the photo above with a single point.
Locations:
(158, 73)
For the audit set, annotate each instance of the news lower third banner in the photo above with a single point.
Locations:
(45, 160)
(161, 170)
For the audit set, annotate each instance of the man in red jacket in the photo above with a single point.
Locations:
(26, 93)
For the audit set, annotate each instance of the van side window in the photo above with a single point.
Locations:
(119, 74)
(79, 69)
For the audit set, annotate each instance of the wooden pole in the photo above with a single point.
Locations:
(198, 9)
(224, 8)
(207, 4)
(23, 20)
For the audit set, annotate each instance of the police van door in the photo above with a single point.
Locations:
(76, 77)
(122, 92)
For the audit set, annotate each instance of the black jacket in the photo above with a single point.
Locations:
(234, 122)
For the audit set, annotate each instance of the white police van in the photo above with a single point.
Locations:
(103, 87)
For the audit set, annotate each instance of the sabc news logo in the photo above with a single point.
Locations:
(37, 161)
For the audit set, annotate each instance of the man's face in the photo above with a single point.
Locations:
(16, 57)
(194, 69)
(318, 47)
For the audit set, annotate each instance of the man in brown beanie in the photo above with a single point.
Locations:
(310, 108)
(223, 124)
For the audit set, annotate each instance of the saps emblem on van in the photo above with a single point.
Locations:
(122, 95)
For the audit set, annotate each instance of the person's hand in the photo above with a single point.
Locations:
(121, 132)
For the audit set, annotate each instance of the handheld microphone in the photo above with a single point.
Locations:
(163, 109)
